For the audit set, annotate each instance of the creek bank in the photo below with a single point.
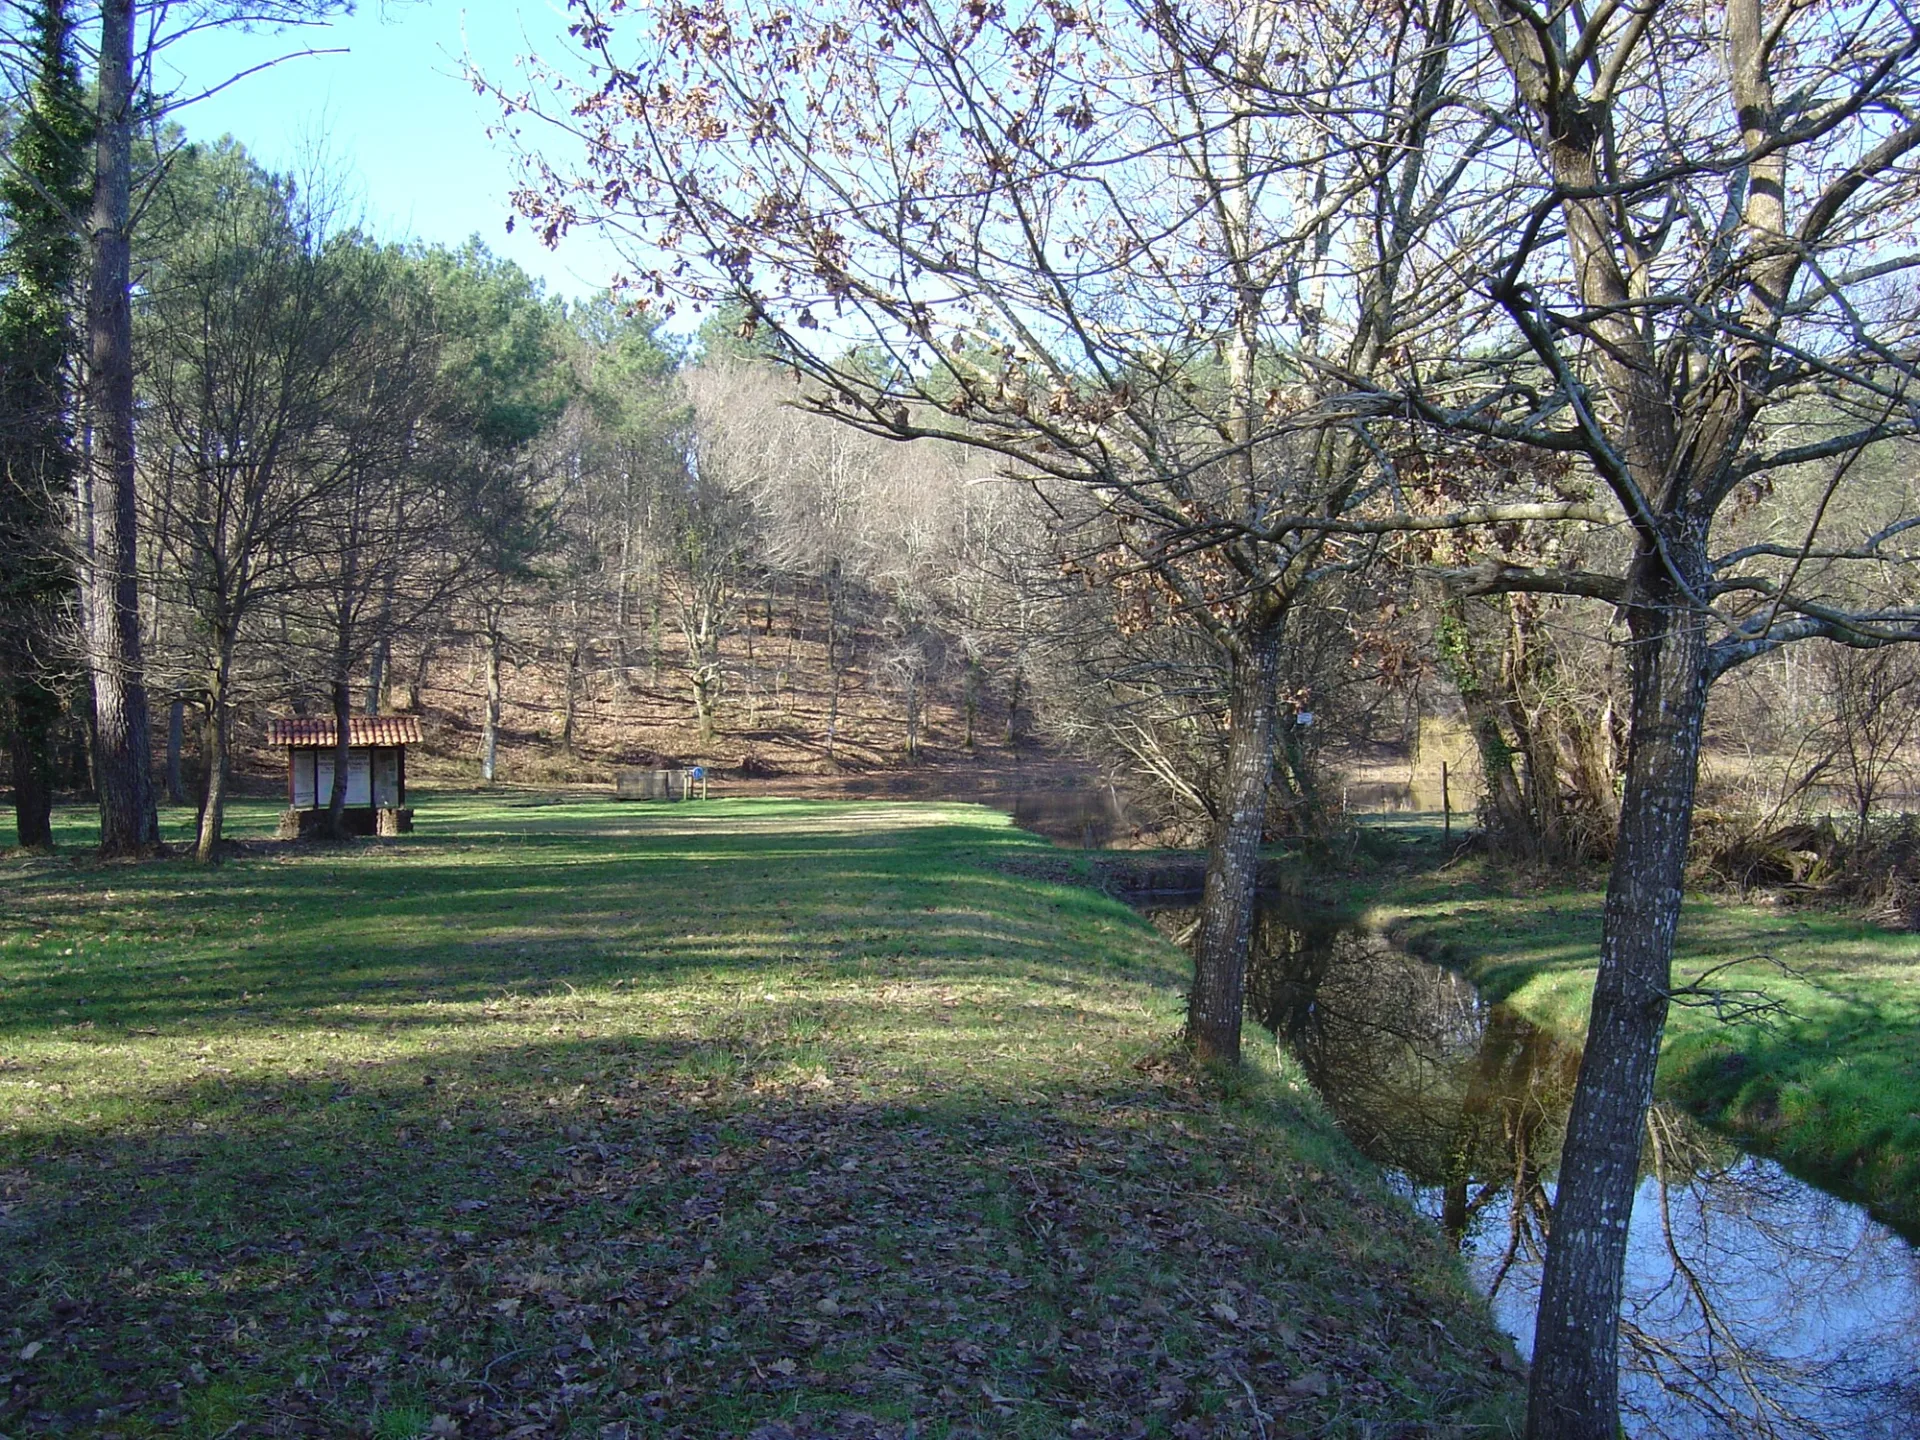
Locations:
(1754, 1303)
(1796, 1032)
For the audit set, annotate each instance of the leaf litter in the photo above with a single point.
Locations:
(897, 1179)
(715, 1260)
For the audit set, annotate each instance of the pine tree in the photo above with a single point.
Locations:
(44, 191)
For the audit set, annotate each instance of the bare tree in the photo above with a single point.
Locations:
(1875, 699)
(1116, 254)
(816, 490)
(249, 330)
(1699, 289)
(705, 540)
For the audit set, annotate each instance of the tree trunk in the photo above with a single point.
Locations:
(706, 693)
(377, 675)
(972, 683)
(833, 661)
(122, 748)
(572, 702)
(213, 807)
(342, 754)
(1299, 795)
(36, 711)
(1574, 1391)
(752, 678)
(1512, 821)
(176, 742)
(1509, 819)
(653, 629)
(1233, 858)
(382, 655)
(418, 684)
(490, 733)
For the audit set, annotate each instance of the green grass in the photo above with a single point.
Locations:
(747, 1117)
(1828, 1081)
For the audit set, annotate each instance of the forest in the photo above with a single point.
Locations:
(1242, 407)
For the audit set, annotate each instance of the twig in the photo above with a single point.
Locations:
(1732, 1007)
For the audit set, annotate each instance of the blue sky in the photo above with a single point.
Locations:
(395, 117)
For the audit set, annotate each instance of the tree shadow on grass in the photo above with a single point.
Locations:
(669, 1236)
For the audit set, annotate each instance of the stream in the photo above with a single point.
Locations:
(1757, 1305)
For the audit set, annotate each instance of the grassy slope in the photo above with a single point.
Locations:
(753, 1116)
(1830, 1083)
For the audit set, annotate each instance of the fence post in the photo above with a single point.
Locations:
(1446, 805)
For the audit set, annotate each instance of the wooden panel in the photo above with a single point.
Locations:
(300, 764)
(359, 791)
(647, 784)
(386, 778)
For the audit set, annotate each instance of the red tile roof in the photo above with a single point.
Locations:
(361, 730)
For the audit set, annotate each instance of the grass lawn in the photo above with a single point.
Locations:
(747, 1118)
(1829, 1082)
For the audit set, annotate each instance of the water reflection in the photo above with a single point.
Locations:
(1757, 1305)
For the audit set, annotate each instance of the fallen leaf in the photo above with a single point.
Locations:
(1314, 1382)
(32, 1349)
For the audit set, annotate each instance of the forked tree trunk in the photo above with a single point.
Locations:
(213, 807)
(342, 755)
(1574, 1389)
(1510, 819)
(416, 687)
(705, 677)
(122, 748)
(382, 655)
(1218, 996)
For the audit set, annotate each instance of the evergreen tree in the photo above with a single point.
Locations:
(43, 190)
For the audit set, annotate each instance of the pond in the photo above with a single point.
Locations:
(1757, 1305)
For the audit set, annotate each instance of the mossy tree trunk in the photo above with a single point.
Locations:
(1216, 1002)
